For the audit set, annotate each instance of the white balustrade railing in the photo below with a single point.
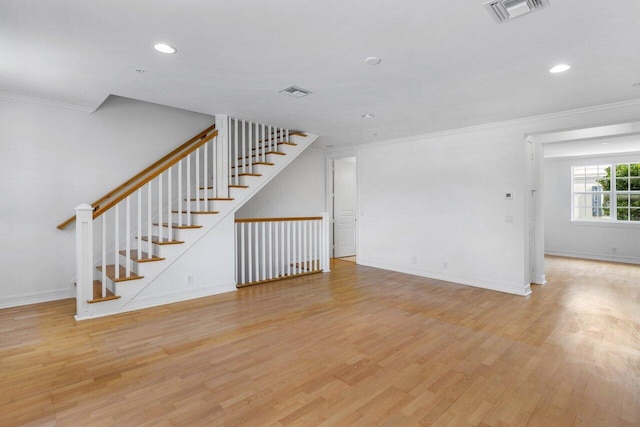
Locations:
(128, 223)
(274, 248)
(250, 143)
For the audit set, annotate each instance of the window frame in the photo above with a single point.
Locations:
(613, 194)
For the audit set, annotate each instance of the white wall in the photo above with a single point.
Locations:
(434, 205)
(584, 240)
(299, 190)
(53, 158)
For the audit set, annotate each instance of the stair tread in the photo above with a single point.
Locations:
(179, 227)
(210, 199)
(111, 273)
(278, 153)
(256, 163)
(198, 212)
(144, 258)
(248, 174)
(164, 241)
(260, 147)
(97, 293)
(238, 186)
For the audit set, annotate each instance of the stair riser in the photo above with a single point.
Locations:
(175, 217)
(270, 158)
(204, 205)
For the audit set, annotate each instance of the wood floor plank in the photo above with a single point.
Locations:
(357, 346)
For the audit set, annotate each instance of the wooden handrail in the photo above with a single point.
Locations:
(102, 209)
(141, 174)
(298, 218)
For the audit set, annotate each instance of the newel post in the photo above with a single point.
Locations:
(84, 259)
(221, 178)
(326, 242)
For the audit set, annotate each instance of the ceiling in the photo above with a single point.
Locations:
(593, 147)
(445, 64)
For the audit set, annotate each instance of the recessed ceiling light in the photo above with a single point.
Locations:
(560, 68)
(368, 116)
(373, 60)
(164, 48)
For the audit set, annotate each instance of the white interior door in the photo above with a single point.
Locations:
(344, 207)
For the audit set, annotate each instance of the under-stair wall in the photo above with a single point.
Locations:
(192, 254)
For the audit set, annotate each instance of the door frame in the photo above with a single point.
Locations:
(534, 209)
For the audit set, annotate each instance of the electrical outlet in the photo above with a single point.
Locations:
(445, 265)
(414, 260)
(189, 279)
(614, 250)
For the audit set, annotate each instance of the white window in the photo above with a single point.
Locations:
(606, 192)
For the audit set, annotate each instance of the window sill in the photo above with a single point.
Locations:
(606, 224)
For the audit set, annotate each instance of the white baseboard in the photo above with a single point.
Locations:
(492, 285)
(36, 297)
(597, 257)
(168, 298)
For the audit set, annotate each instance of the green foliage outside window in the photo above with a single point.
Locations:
(627, 181)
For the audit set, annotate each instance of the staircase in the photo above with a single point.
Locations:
(167, 234)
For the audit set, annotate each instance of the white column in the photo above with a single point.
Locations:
(326, 250)
(84, 259)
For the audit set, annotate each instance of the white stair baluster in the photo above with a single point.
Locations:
(242, 250)
(160, 233)
(104, 255)
(315, 245)
(249, 253)
(235, 151)
(256, 248)
(188, 159)
(169, 202)
(197, 186)
(116, 240)
(139, 224)
(244, 150)
(271, 249)
(205, 175)
(263, 143)
(304, 240)
(288, 258)
(264, 251)
(180, 193)
(251, 150)
(149, 219)
(127, 237)
(276, 249)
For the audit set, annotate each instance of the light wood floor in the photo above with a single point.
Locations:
(358, 346)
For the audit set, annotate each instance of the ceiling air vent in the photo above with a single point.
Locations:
(295, 91)
(506, 10)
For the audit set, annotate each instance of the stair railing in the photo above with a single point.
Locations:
(144, 173)
(270, 249)
(133, 220)
(250, 143)
(145, 213)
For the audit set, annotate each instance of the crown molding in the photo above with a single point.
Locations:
(44, 101)
(494, 125)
